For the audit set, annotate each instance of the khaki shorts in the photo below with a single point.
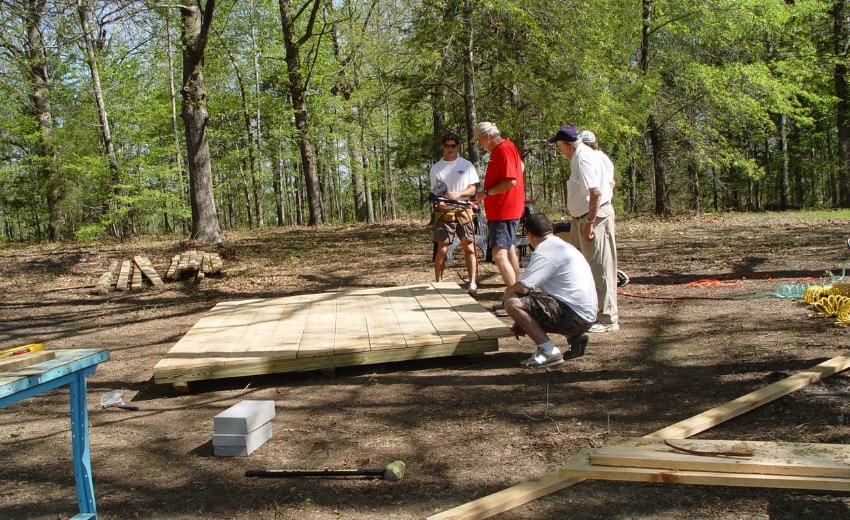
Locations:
(448, 225)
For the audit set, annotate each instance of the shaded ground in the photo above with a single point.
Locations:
(699, 328)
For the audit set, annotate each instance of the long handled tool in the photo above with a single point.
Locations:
(393, 472)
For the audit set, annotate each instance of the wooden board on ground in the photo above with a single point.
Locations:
(329, 330)
(123, 276)
(767, 458)
(194, 264)
(525, 492)
(581, 467)
(104, 283)
(144, 264)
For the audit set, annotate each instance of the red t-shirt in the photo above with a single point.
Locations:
(505, 163)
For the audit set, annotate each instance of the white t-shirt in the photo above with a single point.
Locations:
(457, 175)
(561, 271)
(586, 171)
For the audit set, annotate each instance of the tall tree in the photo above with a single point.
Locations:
(197, 21)
(289, 16)
(84, 10)
(41, 80)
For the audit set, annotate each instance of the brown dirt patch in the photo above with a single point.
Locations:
(699, 328)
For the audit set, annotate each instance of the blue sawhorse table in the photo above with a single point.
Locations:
(69, 367)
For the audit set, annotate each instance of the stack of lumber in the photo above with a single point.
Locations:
(195, 264)
(128, 274)
(717, 462)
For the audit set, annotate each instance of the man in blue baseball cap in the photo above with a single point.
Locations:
(592, 228)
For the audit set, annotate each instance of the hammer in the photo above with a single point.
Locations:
(393, 472)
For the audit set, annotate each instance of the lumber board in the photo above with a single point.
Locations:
(123, 276)
(144, 263)
(745, 403)
(171, 274)
(477, 317)
(104, 283)
(418, 329)
(525, 492)
(768, 458)
(216, 263)
(269, 363)
(385, 330)
(136, 282)
(448, 323)
(580, 467)
(25, 360)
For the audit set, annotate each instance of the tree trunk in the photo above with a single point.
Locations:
(195, 34)
(348, 83)
(784, 197)
(40, 80)
(83, 9)
(662, 196)
(175, 127)
(297, 92)
(469, 83)
(839, 38)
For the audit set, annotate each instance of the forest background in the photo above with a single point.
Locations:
(126, 118)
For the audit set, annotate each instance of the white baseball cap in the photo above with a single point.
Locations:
(587, 136)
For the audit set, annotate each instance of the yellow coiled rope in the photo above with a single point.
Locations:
(830, 300)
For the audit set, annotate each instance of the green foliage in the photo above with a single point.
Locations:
(722, 76)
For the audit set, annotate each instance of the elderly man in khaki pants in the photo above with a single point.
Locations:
(592, 229)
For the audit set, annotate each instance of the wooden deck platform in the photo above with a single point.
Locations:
(328, 330)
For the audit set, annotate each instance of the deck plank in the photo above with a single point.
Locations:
(327, 330)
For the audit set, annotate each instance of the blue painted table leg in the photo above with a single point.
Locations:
(80, 445)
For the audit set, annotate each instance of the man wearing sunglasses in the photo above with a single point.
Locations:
(450, 220)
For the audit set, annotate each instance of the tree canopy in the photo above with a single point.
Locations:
(322, 111)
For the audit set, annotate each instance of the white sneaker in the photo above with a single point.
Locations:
(604, 327)
(472, 289)
(542, 360)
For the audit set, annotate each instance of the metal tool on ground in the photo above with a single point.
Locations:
(392, 473)
(114, 399)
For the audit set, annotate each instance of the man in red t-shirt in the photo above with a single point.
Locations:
(503, 196)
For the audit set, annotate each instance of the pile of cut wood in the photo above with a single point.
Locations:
(136, 273)
(127, 274)
(194, 264)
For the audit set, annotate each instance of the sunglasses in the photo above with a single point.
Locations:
(450, 145)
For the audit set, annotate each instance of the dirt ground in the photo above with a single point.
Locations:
(701, 325)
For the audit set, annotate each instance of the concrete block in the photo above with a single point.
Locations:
(243, 417)
(228, 445)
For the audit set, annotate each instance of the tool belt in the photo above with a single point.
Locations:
(462, 216)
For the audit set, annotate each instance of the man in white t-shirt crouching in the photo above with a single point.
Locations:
(566, 303)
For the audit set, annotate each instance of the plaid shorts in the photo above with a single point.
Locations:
(554, 315)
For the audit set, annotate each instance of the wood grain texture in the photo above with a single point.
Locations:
(328, 330)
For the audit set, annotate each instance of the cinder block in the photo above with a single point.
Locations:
(227, 445)
(243, 417)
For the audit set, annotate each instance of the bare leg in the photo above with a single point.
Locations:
(514, 260)
(440, 261)
(471, 260)
(515, 310)
(503, 261)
